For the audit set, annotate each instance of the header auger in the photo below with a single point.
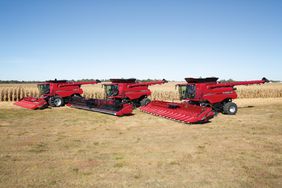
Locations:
(53, 93)
(121, 96)
(203, 98)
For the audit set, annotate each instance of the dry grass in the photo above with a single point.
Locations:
(14, 92)
(260, 91)
(65, 147)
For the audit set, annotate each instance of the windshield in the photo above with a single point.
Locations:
(111, 90)
(44, 89)
(187, 92)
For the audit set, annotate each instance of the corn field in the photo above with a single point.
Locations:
(14, 92)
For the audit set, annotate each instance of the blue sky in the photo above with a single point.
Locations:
(170, 39)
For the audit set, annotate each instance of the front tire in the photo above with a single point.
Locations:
(230, 108)
(144, 102)
(56, 101)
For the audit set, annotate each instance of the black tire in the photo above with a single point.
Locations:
(73, 97)
(230, 108)
(144, 102)
(56, 101)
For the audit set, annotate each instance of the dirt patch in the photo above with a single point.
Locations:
(64, 147)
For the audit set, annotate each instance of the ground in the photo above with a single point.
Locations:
(63, 147)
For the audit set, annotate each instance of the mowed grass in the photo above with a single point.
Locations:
(63, 147)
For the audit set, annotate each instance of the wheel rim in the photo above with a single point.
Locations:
(57, 102)
(232, 109)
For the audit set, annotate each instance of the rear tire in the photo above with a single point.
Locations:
(56, 101)
(144, 102)
(230, 108)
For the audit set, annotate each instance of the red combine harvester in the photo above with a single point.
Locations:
(122, 95)
(203, 98)
(54, 93)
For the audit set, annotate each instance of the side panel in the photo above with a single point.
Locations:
(137, 95)
(219, 94)
(132, 92)
(68, 91)
(137, 92)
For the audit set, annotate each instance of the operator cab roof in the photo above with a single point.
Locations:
(201, 80)
(56, 81)
(121, 80)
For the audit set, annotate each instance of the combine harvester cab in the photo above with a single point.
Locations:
(53, 93)
(203, 99)
(121, 97)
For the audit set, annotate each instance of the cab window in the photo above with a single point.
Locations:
(44, 89)
(111, 90)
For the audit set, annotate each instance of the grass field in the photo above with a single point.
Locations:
(63, 147)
